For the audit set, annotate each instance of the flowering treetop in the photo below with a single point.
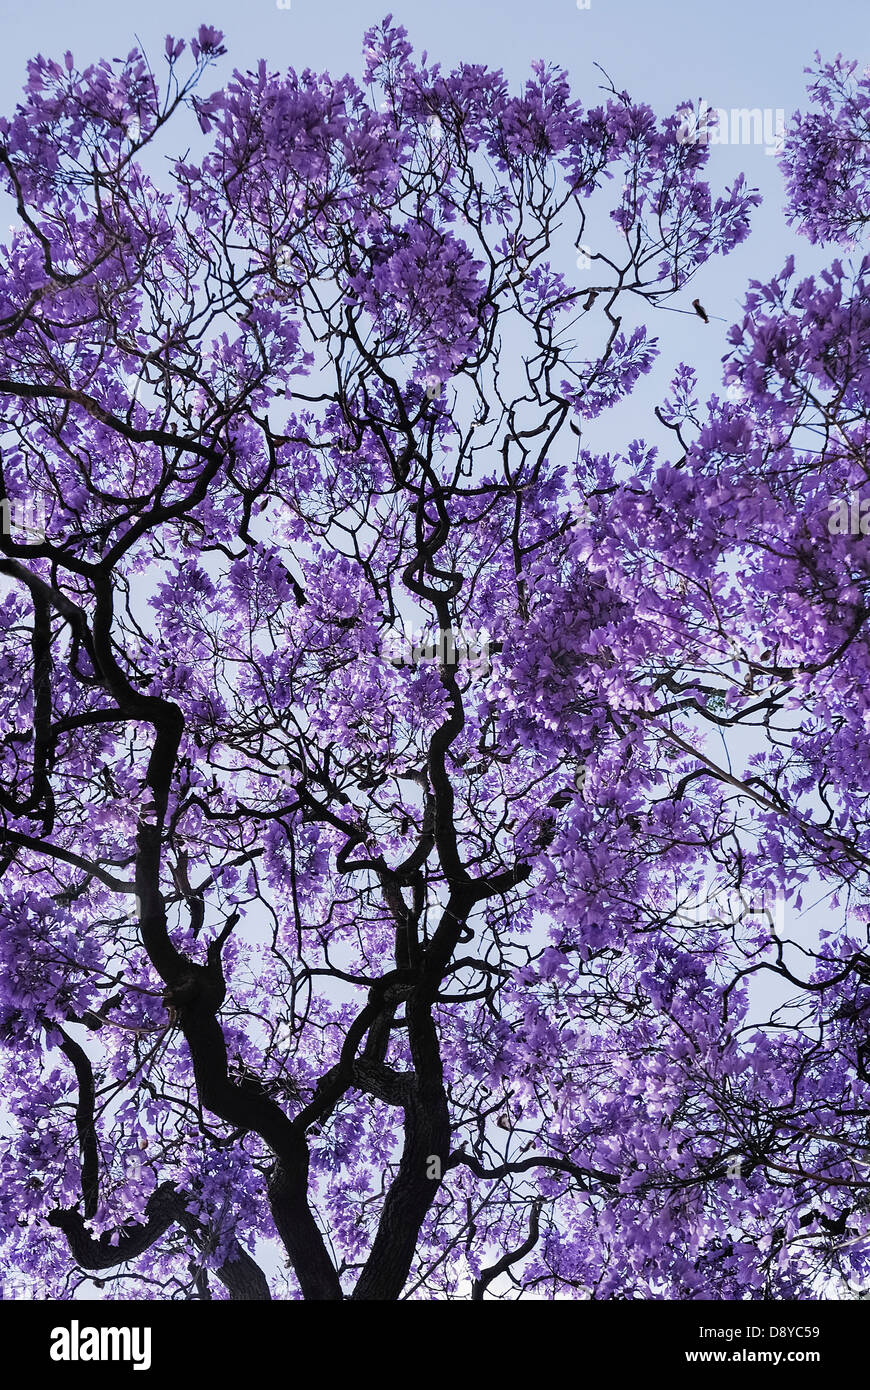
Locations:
(409, 966)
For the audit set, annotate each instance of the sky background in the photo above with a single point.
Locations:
(749, 52)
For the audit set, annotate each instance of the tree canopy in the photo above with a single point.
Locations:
(410, 813)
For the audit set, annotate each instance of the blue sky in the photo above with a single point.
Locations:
(749, 52)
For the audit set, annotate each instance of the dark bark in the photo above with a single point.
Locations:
(509, 1257)
(239, 1273)
(84, 1120)
(423, 1162)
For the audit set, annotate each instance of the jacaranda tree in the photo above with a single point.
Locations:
(410, 814)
